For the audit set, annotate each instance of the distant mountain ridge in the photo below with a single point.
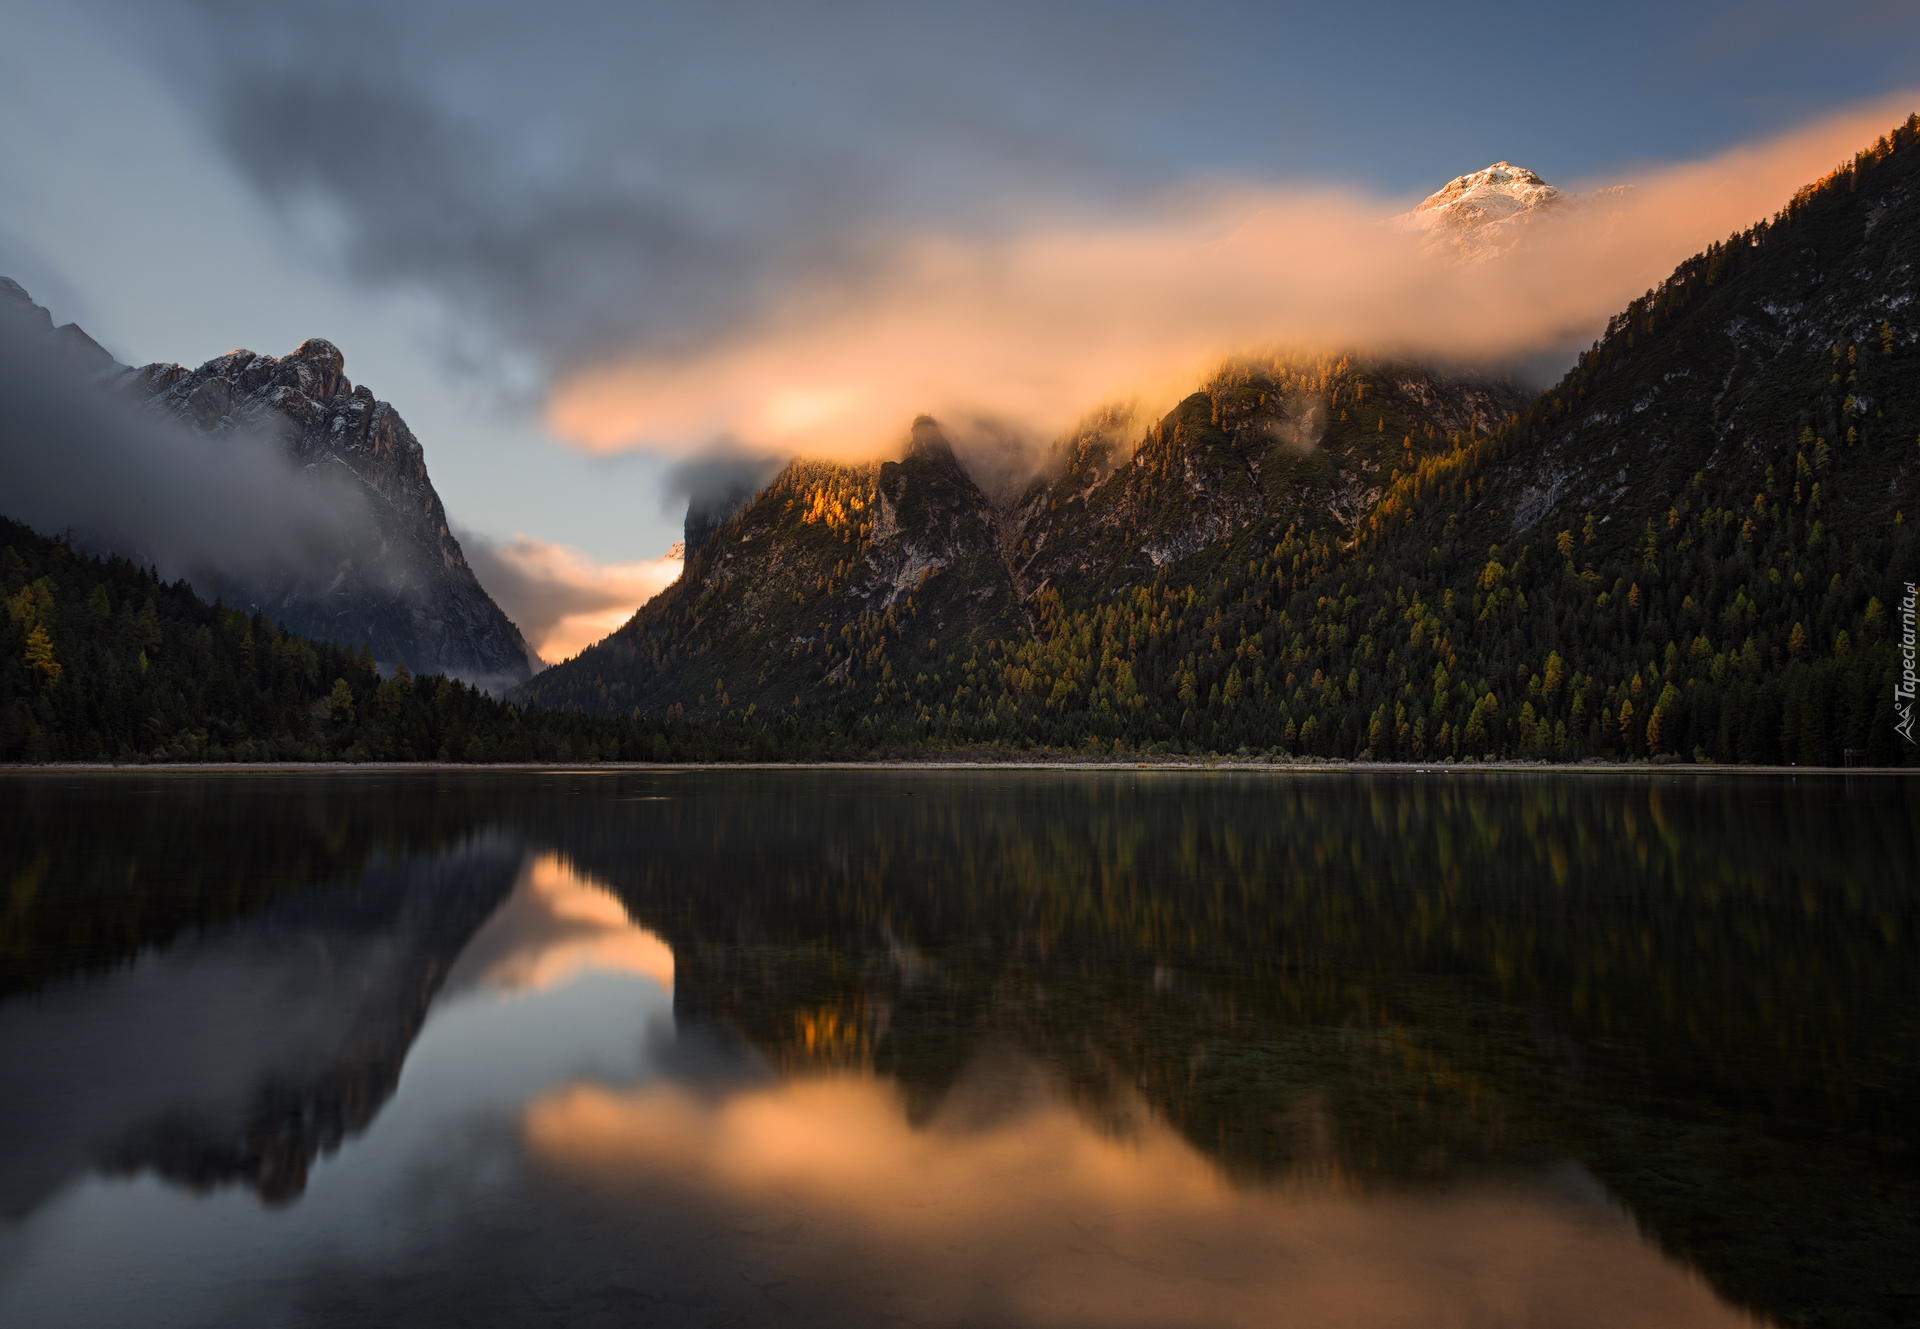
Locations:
(1694, 547)
(413, 597)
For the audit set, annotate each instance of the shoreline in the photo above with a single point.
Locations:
(1223, 765)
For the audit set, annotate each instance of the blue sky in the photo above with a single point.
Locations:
(475, 200)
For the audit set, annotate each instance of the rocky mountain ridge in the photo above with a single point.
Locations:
(768, 603)
(1690, 548)
(411, 596)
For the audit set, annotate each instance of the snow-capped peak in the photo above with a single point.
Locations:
(1498, 192)
(1480, 215)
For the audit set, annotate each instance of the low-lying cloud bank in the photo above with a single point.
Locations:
(233, 513)
(561, 599)
(1033, 329)
(222, 512)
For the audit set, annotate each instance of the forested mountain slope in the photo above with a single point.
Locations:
(102, 661)
(1696, 546)
(1693, 546)
(841, 573)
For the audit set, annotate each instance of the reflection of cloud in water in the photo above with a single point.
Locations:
(1027, 1206)
(557, 925)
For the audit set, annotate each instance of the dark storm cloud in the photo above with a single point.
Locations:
(574, 179)
(798, 226)
(554, 267)
(587, 179)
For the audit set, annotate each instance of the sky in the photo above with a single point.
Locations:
(587, 249)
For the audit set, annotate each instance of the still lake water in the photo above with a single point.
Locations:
(924, 1047)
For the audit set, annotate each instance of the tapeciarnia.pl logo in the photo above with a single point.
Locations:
(1904, 689)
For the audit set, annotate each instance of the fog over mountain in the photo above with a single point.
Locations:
(790, 233)
(213, 508)
(687, 234)
(1687, 547)
(274, 484)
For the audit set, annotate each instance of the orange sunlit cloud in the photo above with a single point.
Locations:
(1061, 1222)
(557, 925)
(561, 598)
(1037, 329)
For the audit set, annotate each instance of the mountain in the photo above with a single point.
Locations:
(1489, 212)
(1693, 547)
(803, 589)
(708, 513)
(406, 588)
(1482, 215)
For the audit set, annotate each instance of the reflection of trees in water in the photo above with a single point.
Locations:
(95, 869)
(387, 891)
(1697, 987)
(1775, 923)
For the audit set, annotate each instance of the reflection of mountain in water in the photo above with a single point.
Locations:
(1351, 1082)
(243, 1053)
(1383, 984)
(1391, 983)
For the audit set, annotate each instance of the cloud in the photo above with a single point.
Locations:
(795, 231)
(720, 474)
(1012, 1191)
(1037, 327)
(561, 599)
(647, 184)
(590, 174)
(222, 512)
(559, 923)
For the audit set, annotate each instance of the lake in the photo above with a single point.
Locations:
(847, 1047)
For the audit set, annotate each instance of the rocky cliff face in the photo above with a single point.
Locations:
(834, 572)
(768, 604)
(1263, 444)
(1777, 363)
(408, 592)
(706, 514)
